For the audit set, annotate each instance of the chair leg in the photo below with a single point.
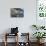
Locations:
(5, 40)
(17, 39)
(5, 43)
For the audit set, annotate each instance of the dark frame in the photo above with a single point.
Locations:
(17, 12)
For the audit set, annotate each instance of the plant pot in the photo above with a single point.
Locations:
(40, 41)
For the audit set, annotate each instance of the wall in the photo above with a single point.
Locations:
(24, 23)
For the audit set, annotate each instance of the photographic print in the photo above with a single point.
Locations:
(17, 12)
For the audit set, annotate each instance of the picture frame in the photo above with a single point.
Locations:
(17, 12)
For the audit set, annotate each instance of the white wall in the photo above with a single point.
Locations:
(24, 23)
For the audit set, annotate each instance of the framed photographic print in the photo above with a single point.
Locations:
(41, 8)
(41, 12)
(17, 12)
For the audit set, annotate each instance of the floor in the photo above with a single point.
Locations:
(13, 44)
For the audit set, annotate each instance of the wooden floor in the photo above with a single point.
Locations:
(13, 44)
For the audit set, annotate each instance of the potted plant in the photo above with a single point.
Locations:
(39, 35)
